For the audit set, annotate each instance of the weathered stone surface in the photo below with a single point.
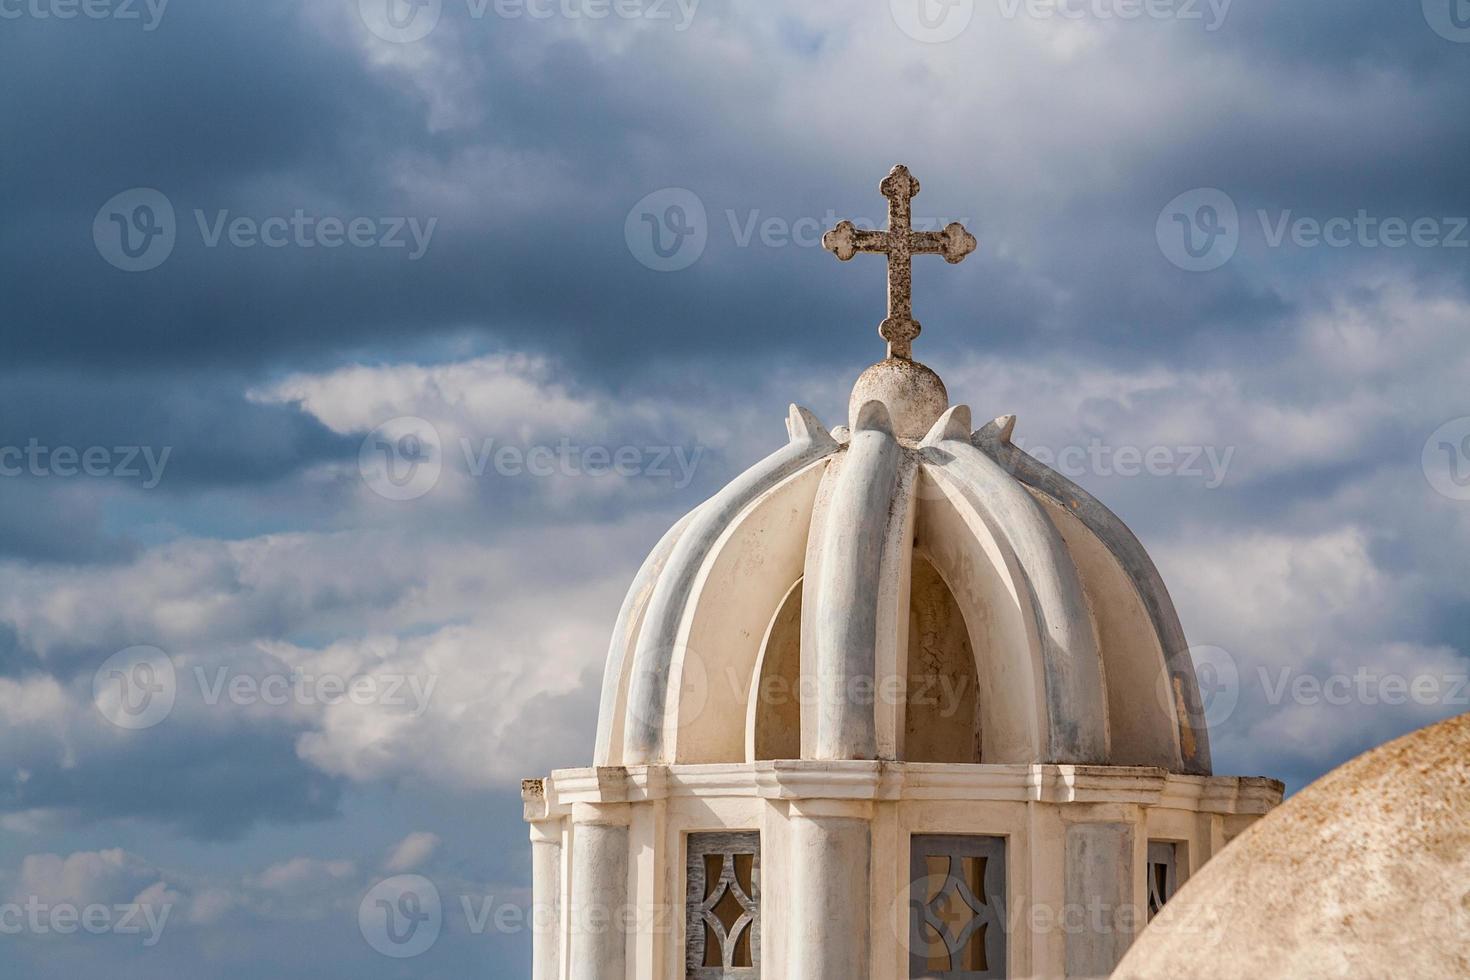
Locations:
(899, 242)
(1099, 881)
(912, 393)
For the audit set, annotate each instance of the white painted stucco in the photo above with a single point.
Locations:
(777, 618)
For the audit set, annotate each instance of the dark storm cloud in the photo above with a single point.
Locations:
(1345, 37)
(207, 785)
(245, 109)
(79, 447)
(158, 432)
(43, 522)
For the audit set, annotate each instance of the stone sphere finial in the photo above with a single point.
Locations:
(913, 393)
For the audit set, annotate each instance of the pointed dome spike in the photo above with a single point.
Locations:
(802, 425)
(996, 432)
(873, 416)
(953, 424)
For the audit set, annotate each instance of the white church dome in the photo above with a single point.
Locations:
(895, 692)
(887, 592)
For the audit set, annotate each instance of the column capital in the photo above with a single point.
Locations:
(817, 808)
(534, 804)
(602, 814)
(809, 779)
(546, 831)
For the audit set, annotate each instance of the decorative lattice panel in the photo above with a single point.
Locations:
(1163, 874)
(957, 907)
(723, 911)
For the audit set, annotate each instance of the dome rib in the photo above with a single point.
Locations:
(747, 573)
(1076, 723)
(840, 621)
(624, 638)
(1077, 647)
(658, 636)
(994, 440)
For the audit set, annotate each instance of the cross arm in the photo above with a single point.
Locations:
(847, 239)
(954, 242)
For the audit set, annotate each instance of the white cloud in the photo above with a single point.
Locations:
(83, 878)
(411, 852)
(302, 873)
(485, 406)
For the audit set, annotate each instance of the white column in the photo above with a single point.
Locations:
(546, 900)
(831, 844)
(599, 892)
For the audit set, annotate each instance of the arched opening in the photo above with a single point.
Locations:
(776, 697)
(942, 697)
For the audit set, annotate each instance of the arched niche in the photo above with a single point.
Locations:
(775, 700)
(941, 719)
(942, 689)
(990, 590)
(1143, 727)
(748, 572)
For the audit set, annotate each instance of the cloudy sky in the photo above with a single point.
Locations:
(246, 245)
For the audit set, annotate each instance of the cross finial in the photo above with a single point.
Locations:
(900, 243)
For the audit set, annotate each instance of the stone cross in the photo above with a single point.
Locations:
(900, 243)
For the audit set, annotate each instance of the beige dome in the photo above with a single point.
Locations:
(1365, 873)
